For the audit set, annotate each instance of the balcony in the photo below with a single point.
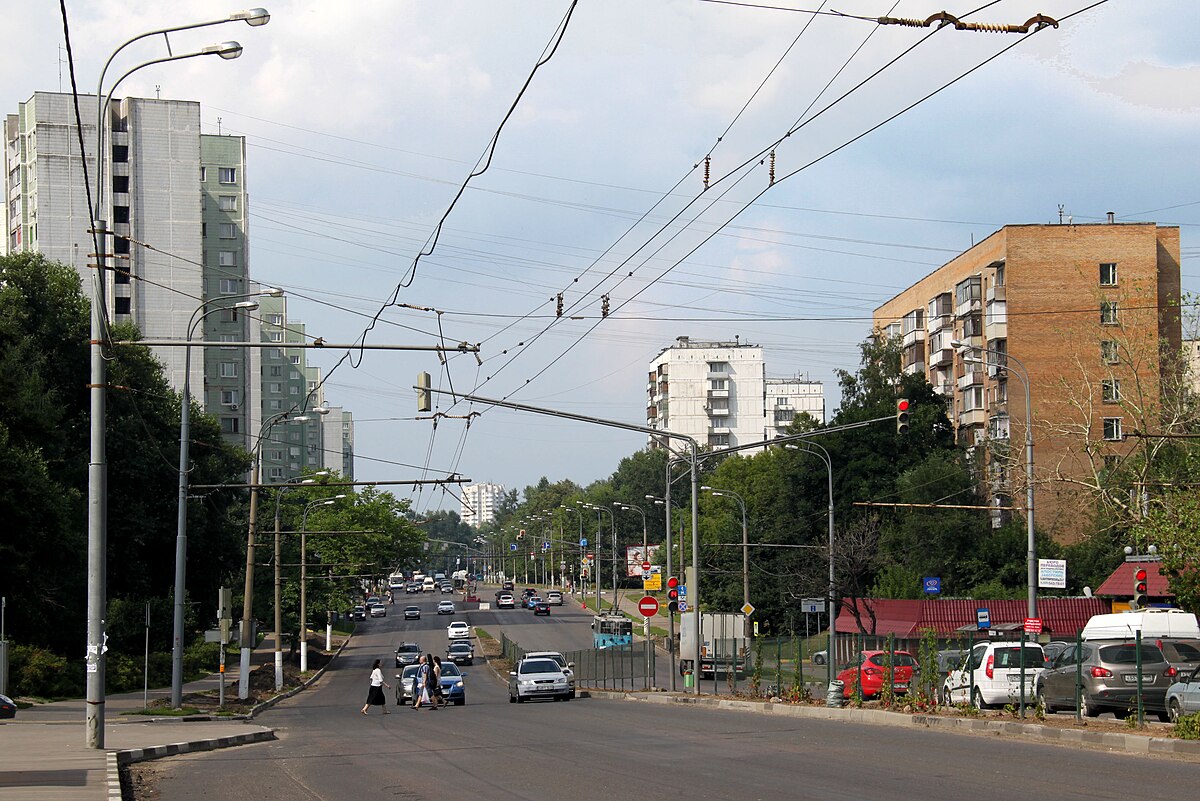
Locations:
(717, 393)
(973, 417)
(970, 379)
(941, 357)
(946, 388)
(916, 368)
(939, 322)
(716, 411)
(913, 337)
(995, 293)
(998, 427)
(662, 387)
(719, 425)
(651, 412)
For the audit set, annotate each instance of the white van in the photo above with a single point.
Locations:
(1152, 623)
(428, 585)
(991, 674)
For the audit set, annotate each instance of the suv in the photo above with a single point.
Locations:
(1184, 655)
(407, 654)
(567, 667)
(1110, 678)
(508, 585)
(505, 601)
(554, 598)
(991, 674)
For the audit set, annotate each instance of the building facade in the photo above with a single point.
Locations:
(718, 393)
(1083, 313)
(480, 502)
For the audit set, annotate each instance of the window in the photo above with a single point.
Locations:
(784, 416)
(275, 405)
(1110, 390)
(998, 279)
(203, 230)
(1108, 352)
(718, 440)
(275, 387)
(229, 315)
(274, 336)
(121, 305)
(913, 321)
(120, 184)
(120, 214)
(276, 353)
(295, 359)
(229, 370)
(228, 338)
(968, 290)
(229, 397)
(972, 398)
(227, 175)
(203, 174)
(230, 425)
(717, 367)
(277, 474)
(1112, 429)
(227, 231)
(717, 384)
(227, 258)
(227, 202)
(120, 154)
(121, 273)
(1108, 274)
(1108, 312)
(293, 390)
(276, 371)
(229, 286)
(275, 319)
(972, 326)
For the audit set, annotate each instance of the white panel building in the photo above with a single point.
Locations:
(479, 503)
(718, 394)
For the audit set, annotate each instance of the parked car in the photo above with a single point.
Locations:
(412, 613)
(461, 652)
(948, 660)
(377, 610)
(359, 612)
(1109, 674)
(992, 674)
(1055, 647)
(820, 657)
(506, 601)
(1183, 697)
(407, 653)
(1184, 655)
(458, 630)
(541, 607)
(538, 678)
(446, 608)
(554, 598)
(568, 668)
(8, 707)
(870, 669)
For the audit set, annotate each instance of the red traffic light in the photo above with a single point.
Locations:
(673, 594)
(672, 582)
(902, 405)
(1140, 574)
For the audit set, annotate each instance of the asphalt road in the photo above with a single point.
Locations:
(593, 750)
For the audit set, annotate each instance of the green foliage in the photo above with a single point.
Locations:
(1188, 727)
(1173, 525)
(40, 673)
(925, 688)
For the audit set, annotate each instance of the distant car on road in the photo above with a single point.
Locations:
(407, 654)
(820, 657)
(412, 613)
(446, 608)
(453, 690)
(458, 630)
(359, 612)
(554, 598)
(412, 586)
(8, 707)
(377, 610)
(506, 601)
(508, 585)
(461, 652)
(532, 601)
(541, 607)
(567, 667)
(538, 678)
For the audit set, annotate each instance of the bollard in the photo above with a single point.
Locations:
(834, 696)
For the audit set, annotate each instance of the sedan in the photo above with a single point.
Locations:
(532, 601)
(453, 689)
(505, 601)
(870, 671)
(359, 613)
(412, 613)
(446, 608)
(541, 608)
(8, 707)
(537, 678)
(458, 630)
(1183, 697)
(554, 598)
(461, 652)
(412, 587)
(407, 654)
(377, 610)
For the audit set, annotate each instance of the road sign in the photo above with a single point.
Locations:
(583, 543)
(983, 618)
(648, 606)
(813, 606)
(1052, 573)
(512, 546)
(646, 567)
(1033, 625)
(652, 583)
(682, 592)
(933, 585)
(683, 607)
(747, 609)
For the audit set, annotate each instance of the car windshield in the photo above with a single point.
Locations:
(1127, 654)
(409, 648)
(450, 669)
(410, 671)
(539, 666)
(1011, 657)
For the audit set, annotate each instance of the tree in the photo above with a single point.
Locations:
(1173, 526)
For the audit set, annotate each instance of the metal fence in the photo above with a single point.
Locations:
(628, 667)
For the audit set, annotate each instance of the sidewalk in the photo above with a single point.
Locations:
(44, 755)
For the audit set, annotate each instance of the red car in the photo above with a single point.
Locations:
(870, 672)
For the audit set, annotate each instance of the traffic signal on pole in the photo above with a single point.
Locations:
(902, 416)
(1140, 588)
(673, 594)
(521, 534)
(558, 305)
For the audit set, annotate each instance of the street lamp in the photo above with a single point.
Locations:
(98, 374)
(745, 550)
(612, 521)
(304, 576)
(185, 414)
(627, 507)
(578, 541)
(247, 635)
(309, 479)
(1031, 543)
(823, 455)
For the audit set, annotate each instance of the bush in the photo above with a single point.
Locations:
(39, 673)
(201, 658)
(1188, 727)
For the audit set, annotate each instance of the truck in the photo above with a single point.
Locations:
(723, 643)
(1154, 624)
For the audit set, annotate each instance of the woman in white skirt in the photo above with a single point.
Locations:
(375, 695)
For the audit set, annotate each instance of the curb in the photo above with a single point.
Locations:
(1115, 741)
(159, 751)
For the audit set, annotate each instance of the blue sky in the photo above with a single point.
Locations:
(362, 124)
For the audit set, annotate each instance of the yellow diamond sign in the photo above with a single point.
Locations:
(747, 609)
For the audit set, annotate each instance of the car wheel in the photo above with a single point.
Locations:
(1045, 702)
(460, 701)
(1088, 710)
(512, 699)
(818, 660)
(520, 700)
(977, 699)
(572, 695)
(1173, 710)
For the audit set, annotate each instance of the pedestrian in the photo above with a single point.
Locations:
(433, 680)
(437, 687)
(375, 695)
(420, 693)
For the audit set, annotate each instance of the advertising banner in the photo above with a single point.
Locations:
(635, 555)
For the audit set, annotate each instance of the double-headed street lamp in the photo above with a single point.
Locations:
(1031, 544)
(98, 374)
(612, 521)
(309, 479)
(820, 452)
(720, 493)
(304, 575)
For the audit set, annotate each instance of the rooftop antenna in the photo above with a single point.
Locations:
(60, 63)
(218, 126)
(157, 91)
(1060, 214)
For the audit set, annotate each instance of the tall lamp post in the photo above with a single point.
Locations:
(98, 375)
(247, 632)
(309, 479)
(613, 528)
(720, 493)
(665, 503)
(185, 415)
(578, 541)
(822, 454)
(304, 575)
(1031, 544)
(627, 507)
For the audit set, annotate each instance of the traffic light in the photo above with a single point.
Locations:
(604, 305)
(673, 594)
(558, 308)
(521, 534)
(1140, 587)
(902, 416)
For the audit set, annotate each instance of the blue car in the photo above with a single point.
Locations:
(532, 601)
(453, 691)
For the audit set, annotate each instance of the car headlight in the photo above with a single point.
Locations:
(527, 683)
(458, 684)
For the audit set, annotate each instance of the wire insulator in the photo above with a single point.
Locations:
(905, 21)
(987, 27)
(707, 164)
(772, 170)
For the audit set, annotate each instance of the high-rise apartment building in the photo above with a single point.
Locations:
(718, 394)
(479, 503)
(1086, 311)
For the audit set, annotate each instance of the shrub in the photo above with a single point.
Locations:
(40, 673)
(1188, 727)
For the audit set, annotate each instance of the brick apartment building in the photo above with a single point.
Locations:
(1088, 311)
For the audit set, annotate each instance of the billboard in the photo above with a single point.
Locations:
(635, 555)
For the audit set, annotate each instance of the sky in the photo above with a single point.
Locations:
(364, 123)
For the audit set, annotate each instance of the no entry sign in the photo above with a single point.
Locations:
(648, 606)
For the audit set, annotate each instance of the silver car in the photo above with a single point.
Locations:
(537, 678)
(1109, 675)
(1183, 697)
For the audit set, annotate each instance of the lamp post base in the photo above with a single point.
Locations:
(244, 675)
(278, 670)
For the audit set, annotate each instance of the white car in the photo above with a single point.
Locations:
(537, 678)
(554, 598)
(377, 610)
(567, 667)
(446, 608)
(458, 630)
(991, 675)
(1183, 697)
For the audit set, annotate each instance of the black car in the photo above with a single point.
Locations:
(359, 613)
(508, 585)
(541, 608)
(461, 653)
(8, 708)
(407, 654)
